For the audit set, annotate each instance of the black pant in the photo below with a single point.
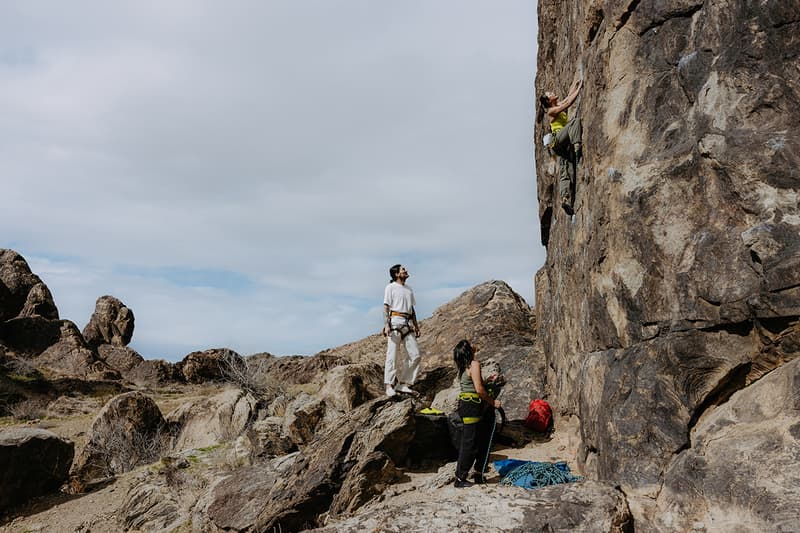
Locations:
(475, 437)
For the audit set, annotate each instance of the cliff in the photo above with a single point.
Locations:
(675, 289)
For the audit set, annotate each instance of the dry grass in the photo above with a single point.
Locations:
(31, 409)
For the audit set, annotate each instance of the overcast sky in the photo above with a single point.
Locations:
(244, 173)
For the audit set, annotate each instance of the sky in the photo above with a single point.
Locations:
(243, 174)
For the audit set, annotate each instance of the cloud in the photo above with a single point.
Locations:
(244, 174)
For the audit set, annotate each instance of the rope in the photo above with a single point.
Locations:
(489, 447)
(533, 474)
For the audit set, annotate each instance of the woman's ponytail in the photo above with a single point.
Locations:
(544, 103)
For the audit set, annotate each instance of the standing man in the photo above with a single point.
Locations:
(400, 325)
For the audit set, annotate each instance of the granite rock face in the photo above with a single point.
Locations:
(675, 284)
(742, 469)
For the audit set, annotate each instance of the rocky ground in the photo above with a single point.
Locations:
(102, 508)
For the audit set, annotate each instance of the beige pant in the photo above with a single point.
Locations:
(398, 368)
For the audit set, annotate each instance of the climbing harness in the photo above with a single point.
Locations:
(402, 329)
(473, 397)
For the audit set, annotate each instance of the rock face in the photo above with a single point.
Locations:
(111, 323)
(32, 462)
(675, 284)
(742, 469)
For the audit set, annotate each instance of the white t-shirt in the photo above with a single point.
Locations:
(399, 298)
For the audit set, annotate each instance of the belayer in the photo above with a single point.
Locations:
(564, 139)
(476, 409)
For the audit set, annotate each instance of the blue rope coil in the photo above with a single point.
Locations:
(534, 474)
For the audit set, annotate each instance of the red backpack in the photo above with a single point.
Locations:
(540, 416)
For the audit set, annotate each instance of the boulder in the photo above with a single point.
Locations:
(152, 372)
(348, 386)
(210, 421)
(56, 345)
(32, 462)
(297, 369)
(238, 499)
(111, 323)
(585, 506)
(741, 469)
(209, 365)
(71, 356)
(30, 336)
(302, 417)
(267, 437)
(120, 358)
(343, 466)
(22, 293)
(151, 506)
(127, 432)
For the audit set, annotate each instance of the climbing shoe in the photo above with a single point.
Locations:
(479, 479)
(462, 483)
(390, 390)
(402, 387)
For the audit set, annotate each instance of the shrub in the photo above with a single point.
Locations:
(250, 375)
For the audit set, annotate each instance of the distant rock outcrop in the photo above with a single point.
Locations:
(32, 462)
(111, 323)
(208, 365)
(22, 293)
(31, 330)
(676, 283)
